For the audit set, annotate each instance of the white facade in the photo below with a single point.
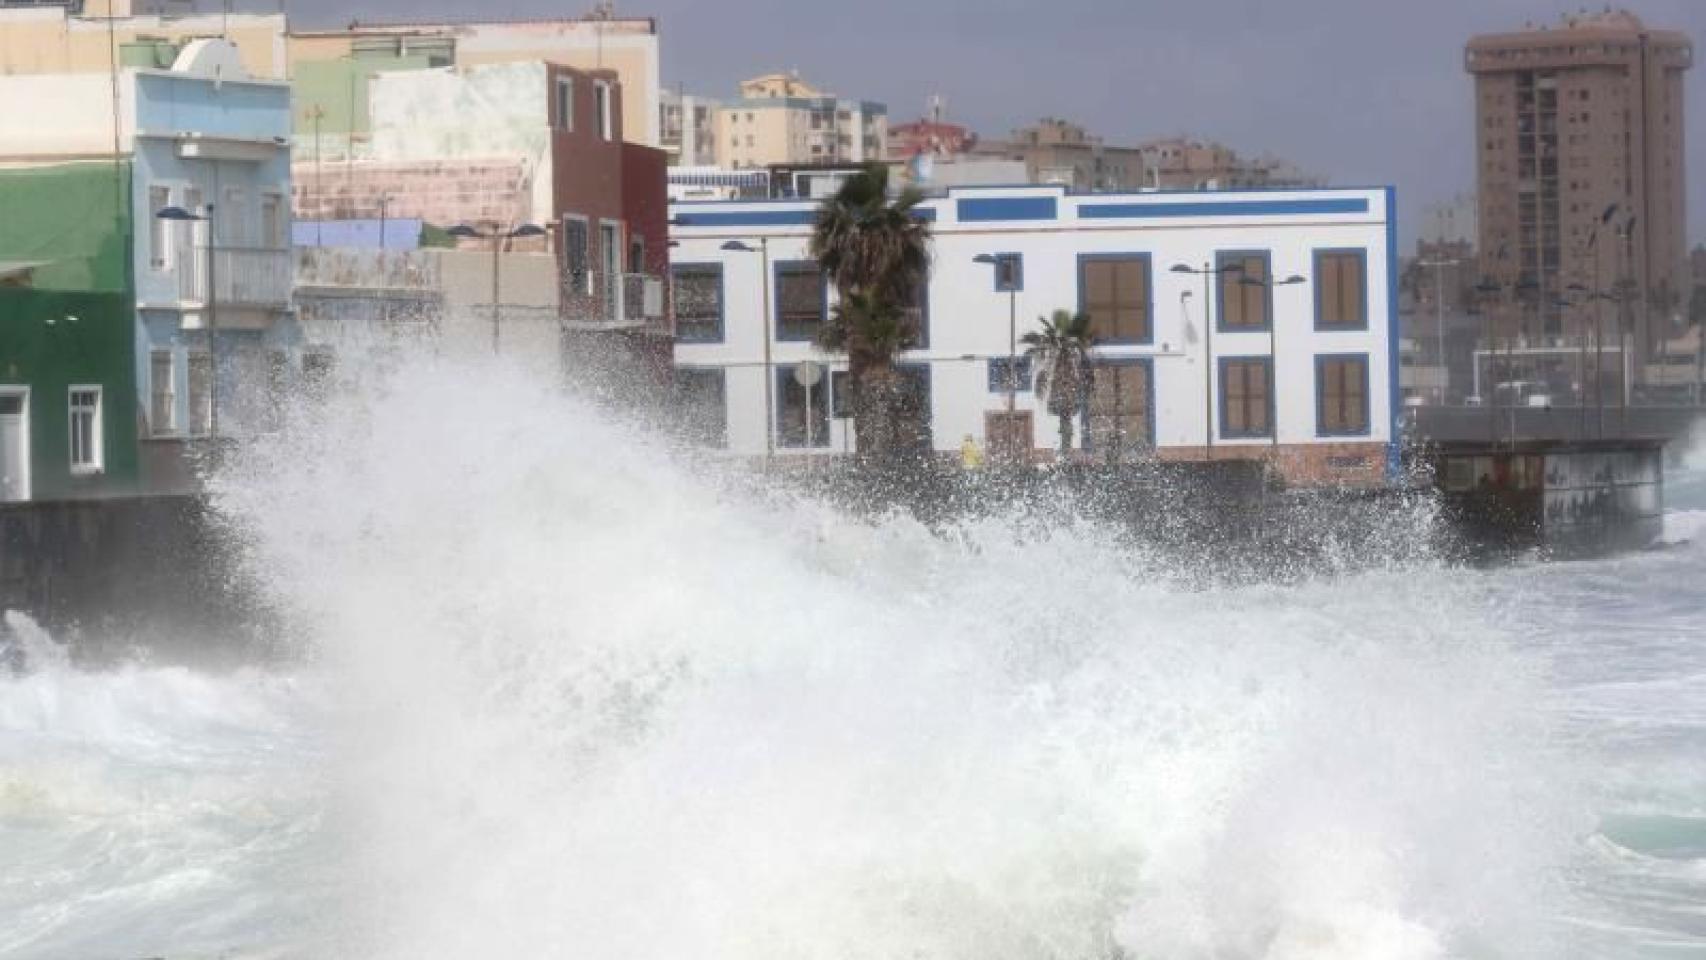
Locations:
(1055, 234)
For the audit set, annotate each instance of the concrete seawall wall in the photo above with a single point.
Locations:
(115, 577)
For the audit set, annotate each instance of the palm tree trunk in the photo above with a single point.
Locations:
(1065, 436)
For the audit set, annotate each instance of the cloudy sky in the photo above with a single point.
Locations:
(1362, 91)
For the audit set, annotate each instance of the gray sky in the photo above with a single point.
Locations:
(1366, 92)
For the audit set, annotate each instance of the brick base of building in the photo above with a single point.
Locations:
(1349, 464)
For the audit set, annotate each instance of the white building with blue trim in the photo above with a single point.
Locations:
(1255, 324)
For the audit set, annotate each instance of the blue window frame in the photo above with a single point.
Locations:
(1116, 291)
(1246, 397)
(791, 413)
(1118, 417)
(919, 307)
(998, 367)
(799, 300)
(1242, 307)
(1341, 395)
(697, 290)
(913, 410)
(701, 400)
(1009, 272)
(1341, 289)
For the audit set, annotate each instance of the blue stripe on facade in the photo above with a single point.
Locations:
(763, 218)
(1394, 464)
(1007, 208)
(1219, 208)
(744, 218)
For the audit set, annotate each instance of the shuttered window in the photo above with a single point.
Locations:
(1114, 291)
(1341, 395)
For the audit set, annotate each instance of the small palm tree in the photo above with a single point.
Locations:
(876, 250)
(1060, 349)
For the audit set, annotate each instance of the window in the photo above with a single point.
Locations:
(1341, 289)
(317, 367)
(794, 427)
(606, 113)
(698, 291)
(201, 394)
(564, 118)
(636, 254)
(159, 198)
(86, 431)
(1246, 400)
(610, 265)
(1117, 414)
(699, 396)
(1114, 291)
(577, 262)
(1009, 272)
(916, 307)
(841, 394)
(1000, 368)
(801, 295)
(912, 413)
(1341, 395)
(1243, 306)
(273, 234)
(162, 399)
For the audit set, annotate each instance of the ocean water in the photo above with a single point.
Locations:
(562, 691)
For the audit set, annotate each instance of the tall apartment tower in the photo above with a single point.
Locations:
(1579, 139)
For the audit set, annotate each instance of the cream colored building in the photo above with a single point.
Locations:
(93, 36)
(628, 46)
(781, 119)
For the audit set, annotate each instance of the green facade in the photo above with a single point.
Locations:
(75, 320)
(337, 90)
(50, 340)
(74, 219)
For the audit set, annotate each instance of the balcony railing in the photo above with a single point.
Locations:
(620, 301)
(242, 276)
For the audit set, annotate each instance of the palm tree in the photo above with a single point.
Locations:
(871, 331)
(877, 253)
(1061, 352)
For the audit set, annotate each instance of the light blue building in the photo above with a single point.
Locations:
(184, 328)
(211, 142)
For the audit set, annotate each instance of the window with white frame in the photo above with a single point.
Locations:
(85, 420)
(272, 222)
(606, 115)
(162, 399)
(565, 115)
(159, 198)
(201, 394)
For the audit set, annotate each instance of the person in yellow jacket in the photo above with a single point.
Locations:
(971, 455)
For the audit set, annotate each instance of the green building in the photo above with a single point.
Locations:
(68, 397)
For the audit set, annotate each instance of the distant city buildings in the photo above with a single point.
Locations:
(687, 128)
(1581, 173)
(1058, 151)
(781, 119)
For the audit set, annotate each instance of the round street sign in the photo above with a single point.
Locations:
(808, 374)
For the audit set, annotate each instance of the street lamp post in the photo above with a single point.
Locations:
(1208, 272)
(1273, 345)
(1438, 267)
(180, 215)
(463, 231)
(763, 251)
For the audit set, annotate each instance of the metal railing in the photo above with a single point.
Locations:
(242, 276)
